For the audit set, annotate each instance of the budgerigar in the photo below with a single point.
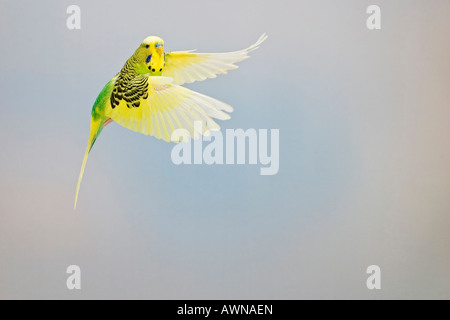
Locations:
(146, 95)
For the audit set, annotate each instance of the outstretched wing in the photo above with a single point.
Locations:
(189, 66)
(155, 106)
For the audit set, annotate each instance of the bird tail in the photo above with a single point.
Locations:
(96, 127)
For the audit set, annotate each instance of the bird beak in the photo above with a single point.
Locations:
(159, 50)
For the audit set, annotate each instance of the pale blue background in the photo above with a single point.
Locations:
(364, 155)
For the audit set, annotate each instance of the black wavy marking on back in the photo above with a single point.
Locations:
(129, 86)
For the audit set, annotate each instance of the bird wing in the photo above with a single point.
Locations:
(156, 106)
(189, 66)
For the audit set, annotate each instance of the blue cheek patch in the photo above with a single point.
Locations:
(148, 58)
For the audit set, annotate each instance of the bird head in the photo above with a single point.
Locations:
(151, 55)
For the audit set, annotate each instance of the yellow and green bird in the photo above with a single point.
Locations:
(146, 95)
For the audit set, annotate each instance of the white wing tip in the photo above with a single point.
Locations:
(260, 40)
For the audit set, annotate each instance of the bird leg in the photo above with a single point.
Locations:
(107, 122)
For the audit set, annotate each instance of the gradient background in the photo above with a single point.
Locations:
(364, 155)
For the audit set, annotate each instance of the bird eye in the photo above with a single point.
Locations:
(147, 46)
(158, 44)
(148, 59)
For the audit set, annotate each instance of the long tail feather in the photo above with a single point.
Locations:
(96, 128)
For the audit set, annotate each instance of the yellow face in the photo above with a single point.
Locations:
(153, 53)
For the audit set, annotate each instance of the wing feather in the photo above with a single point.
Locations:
(189, 66)
(169, 107)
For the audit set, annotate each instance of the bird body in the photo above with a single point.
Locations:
(146, 95)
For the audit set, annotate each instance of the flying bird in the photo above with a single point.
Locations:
(146, 95)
